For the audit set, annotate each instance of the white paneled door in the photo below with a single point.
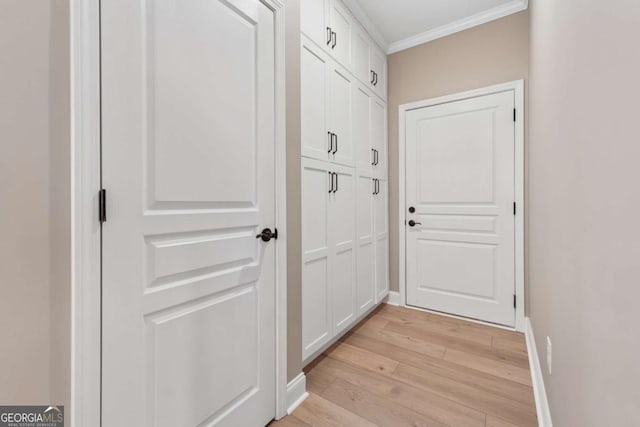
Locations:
(460, 194)
(188, 290)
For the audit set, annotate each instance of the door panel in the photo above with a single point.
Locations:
(343, 233)
(381, 206)
(316, 320)
(188, 291)
(379, 66)
(312, 20)
(314, 80)
(362, 127)
(379, 133)
(366, 243)
(460, 179)
(340, 23)
(340, 116)
(360, 54)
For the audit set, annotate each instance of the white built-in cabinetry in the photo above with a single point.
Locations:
(345, 233)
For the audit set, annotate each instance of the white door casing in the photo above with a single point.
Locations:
(460, 168)
(188, 292)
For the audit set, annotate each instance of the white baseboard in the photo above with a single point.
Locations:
(393, 298)
(296, 392)
(542, 404)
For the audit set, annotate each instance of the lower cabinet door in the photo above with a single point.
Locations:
(342, 235)
(316, 295)
(365, 290)
(381, 209)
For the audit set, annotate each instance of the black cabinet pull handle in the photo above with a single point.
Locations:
(376, 157)
(375, 78)
(329, 35)
(330, 182)
(336, 189)
(373, 154)
(330, 135)
(335, 39)
(335, 150)
(377, 186)
(373, 181)
(372, 79)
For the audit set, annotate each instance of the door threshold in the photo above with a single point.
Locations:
(466, 319)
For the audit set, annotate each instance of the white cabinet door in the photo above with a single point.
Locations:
(340, 23)
(188, 292)
(316, 294)
(379, 70)
(339, 113)
(381, 218)
(379, 135)
(343, 247)
(360, 48)
(314, 87)
(313, 20)
(366, 242)
(361, 117)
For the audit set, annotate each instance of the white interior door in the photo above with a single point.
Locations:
(188, 321)
(460, 181)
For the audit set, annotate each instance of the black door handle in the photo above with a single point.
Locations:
(267, 234)
(412, 223)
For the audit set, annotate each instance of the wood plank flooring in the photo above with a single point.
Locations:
(403, 367)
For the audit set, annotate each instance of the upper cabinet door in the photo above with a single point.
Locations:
(314, 22)
(339, 111)
(379, 135)
(362, 126)
(314, 81)
(340, 24)
(378, 78)
(360, 48)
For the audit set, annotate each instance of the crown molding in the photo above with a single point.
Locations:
(367, 23)
(512, 7)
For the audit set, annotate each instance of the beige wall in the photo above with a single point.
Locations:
(294, 207)
(584, 207)
(492, 53)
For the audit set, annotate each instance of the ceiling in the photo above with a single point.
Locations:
(400, 24)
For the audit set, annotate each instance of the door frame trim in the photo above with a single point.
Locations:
(85, 381)
(517, 87)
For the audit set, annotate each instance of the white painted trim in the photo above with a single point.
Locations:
(518, 88)
(85, 229)
(393, 298)
(501, 11)
(367, 23)
(539, 393)
(296, 392)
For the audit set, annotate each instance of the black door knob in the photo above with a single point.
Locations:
(267, 235)
(412, 209)
(412, 223)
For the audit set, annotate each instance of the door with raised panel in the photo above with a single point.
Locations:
(340, 22)
(342, 232)
(316, 140)
(379, 135)
(379, 69)
(317, 183)
(361, 131)
(381, 221)
(365, 226)
(360, 63)
(339, 115)
(188, 325)
(313, 20)
(460, 184)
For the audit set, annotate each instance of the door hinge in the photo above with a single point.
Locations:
(514, 114)
(514, 300)
(514, 208)
(102, 205)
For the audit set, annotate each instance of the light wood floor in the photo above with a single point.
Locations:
(403, 367)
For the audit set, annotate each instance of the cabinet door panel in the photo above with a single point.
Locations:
(340, 22)
(340, 116)
(316, 296)
(379, 66)
(360, 65)
(362, 126)
(313, 90)
(379, 133)
(313, 20)
(343, 265)
(381, 201)
(365, 294)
